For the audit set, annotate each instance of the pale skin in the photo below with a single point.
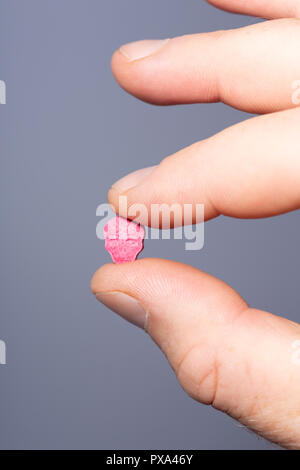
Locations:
(224, 353)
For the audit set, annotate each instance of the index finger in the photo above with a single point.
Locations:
(252, 68)
(249, 170)
(263, 8)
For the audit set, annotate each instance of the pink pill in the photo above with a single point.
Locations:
(123, 239)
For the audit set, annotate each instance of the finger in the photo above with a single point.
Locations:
(224, 354)
(262, 8)
(249, 170)
(252, 68)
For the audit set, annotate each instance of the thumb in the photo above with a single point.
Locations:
(224, 354)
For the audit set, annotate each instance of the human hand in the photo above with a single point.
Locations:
(243, 361)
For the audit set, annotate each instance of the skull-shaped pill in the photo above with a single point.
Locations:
(123, 239)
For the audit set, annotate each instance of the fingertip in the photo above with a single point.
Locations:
(113, 198)
(126, 277)
(118, 61)
(99, 279)
(120, 70)
(260, 8)
(149, 75)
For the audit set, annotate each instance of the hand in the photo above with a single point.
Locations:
(243, 361)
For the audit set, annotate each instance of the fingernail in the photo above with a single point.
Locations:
(125, 305)
(133, 179)
(140, 49)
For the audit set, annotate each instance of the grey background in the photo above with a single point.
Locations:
(78, 376)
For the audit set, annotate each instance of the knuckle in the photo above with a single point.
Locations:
(198, 374)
